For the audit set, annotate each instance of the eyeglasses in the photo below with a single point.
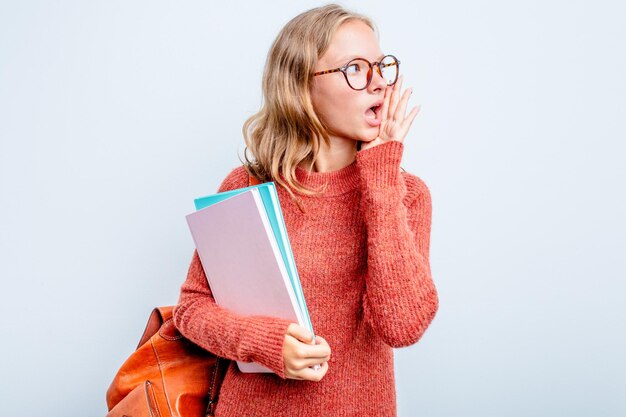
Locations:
(358, 72)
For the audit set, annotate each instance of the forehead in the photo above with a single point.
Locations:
(352, 39)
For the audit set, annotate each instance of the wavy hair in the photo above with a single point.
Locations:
(286, 130)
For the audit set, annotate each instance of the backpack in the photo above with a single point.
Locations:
(167, 376)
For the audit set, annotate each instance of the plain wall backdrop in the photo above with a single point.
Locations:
(115, 115)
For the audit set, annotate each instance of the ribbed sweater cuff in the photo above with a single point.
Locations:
(379, 167)
(263, 342)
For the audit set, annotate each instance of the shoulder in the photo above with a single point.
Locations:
(237, 178)
(416, 190)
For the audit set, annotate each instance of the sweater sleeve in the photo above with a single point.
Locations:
(229, 335)
(400, 299)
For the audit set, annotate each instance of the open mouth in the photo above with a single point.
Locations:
(373, 112)
(373, 115)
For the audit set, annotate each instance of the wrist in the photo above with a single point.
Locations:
(379, 165)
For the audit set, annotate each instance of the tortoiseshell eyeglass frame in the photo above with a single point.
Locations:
(379, 66)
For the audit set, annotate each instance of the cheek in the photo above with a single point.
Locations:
(340, 111)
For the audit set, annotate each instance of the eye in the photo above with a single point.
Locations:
(353, 68)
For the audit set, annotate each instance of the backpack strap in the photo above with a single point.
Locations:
(159, 316)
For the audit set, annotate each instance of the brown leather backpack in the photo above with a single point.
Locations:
(167, 376)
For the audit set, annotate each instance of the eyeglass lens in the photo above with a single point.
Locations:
(358, 72)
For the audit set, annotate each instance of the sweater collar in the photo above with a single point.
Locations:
(335, 182)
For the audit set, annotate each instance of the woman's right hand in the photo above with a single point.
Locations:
(300, 354)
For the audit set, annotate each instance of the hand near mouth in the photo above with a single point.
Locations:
(395, 123)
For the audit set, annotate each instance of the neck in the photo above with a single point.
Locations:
(340, 154)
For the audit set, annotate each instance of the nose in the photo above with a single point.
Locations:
(377, 82)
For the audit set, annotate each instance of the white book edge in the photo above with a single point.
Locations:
(291, 262)
(279, 256)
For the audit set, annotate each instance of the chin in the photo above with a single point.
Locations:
(368, 137)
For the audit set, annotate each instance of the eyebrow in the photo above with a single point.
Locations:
(349, 58)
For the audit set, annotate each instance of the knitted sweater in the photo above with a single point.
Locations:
(362, 253)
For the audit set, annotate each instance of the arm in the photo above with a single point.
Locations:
(218, 330)
(400, 300)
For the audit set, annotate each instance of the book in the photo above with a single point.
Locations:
(242, 242)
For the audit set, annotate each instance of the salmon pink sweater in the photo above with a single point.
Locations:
(362, 253)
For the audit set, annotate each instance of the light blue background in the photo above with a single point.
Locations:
(115, 115)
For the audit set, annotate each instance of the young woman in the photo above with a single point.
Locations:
(330, 135)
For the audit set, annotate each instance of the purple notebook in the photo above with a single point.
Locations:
(242, 261)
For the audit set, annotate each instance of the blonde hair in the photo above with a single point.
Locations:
(286, 130)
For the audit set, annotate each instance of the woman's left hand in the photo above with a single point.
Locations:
(395, 123)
